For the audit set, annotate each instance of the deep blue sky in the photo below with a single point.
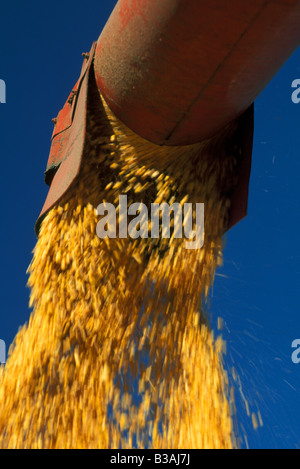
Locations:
(257, 290)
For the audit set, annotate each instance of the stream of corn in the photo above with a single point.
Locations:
(118, 352)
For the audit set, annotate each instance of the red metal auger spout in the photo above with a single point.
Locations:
(177, 72)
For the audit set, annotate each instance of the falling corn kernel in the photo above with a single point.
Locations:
(254, 421)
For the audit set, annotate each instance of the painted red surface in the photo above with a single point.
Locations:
(177, 71)
(67, 146)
